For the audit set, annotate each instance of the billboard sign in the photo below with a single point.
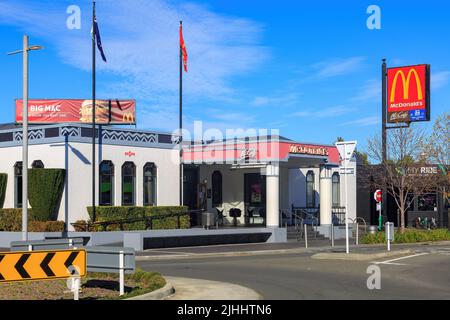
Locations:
(408, 94)
(78, 111)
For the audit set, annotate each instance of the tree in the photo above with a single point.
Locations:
(438, 153)
(401, 172)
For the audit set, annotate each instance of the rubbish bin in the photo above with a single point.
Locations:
(208, 219)
(372, 229)
(235, 213)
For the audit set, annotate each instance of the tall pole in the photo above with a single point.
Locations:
(93, 112)
(25, 142)
(383, 130)
(347, 246)
(181, 122)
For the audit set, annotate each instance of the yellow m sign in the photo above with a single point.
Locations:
(128, 118)
(406, 81)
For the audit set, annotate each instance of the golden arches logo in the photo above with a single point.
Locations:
(406, 81)
(128, 117)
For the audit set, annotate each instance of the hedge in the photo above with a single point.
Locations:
(409, 236)
(3, 182)
(11, 220)
(45, 191)
(104, 214)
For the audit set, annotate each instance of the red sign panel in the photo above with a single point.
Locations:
(78, 111)
(408, 90)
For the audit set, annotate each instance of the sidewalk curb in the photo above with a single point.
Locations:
(159, 294)
(358, 256)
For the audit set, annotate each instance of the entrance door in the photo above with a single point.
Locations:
(190, 183)
(255, 198)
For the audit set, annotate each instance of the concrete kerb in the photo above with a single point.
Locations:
(358, 256)
(159, 294)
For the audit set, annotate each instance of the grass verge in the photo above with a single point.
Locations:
(95, 286)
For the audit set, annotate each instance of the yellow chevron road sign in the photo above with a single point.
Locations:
(41, 265)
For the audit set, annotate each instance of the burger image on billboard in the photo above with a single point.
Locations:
(101, 111)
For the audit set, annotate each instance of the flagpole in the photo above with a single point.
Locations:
(93, 113)
(181, 121)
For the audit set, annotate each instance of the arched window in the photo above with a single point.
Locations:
(216, 189)
(18, 185)
(150, 184)
(310, 194)
(37, 164)
(336, 183)
(128, 184)
(106, 183)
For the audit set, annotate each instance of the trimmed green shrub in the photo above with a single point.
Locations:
(410, 236)
(104, 214)
(3, 183)
(11, 220)
(45, 191)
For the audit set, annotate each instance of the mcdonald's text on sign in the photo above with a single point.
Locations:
(41, 265)
(408, 94)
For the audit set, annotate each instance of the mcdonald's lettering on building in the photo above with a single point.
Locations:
(408, 93)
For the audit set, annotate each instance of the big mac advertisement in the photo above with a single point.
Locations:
(78, 111)
(408, 93)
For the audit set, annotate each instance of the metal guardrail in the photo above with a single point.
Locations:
(50, 244)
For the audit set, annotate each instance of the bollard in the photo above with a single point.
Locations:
(332, 235)
(122, 273)
(306, 236)
(357, 233)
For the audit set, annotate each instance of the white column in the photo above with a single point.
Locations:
(273, 195)
(325, 195)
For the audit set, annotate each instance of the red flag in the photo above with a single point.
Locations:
(183, 49)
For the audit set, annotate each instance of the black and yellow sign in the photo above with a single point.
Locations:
(41, 265)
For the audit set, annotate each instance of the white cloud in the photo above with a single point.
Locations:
(141, 42)
(363, 122)
(337, 67)
(279, 100)
(324, 113)
(370, 91)
(439, 79)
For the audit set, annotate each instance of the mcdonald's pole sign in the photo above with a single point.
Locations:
(41, 265)
(408, 90)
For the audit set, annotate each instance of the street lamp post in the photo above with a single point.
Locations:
(25, 50)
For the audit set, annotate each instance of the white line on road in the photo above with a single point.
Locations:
(401, 258)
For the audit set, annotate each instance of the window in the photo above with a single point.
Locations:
(336, 183)
(37, 164)
(18, 185)
(106, 183)
(128, 184)
(216, 189)
(150, 184)
(310, 194)
(427, 202)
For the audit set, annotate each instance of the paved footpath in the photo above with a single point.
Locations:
(196, 289)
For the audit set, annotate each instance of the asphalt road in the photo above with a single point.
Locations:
(298, 276)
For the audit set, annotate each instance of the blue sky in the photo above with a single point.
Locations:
(309, 69)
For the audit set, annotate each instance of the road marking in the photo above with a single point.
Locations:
(401, 258)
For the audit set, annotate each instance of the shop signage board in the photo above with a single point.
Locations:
(408, 90)
(43, 111)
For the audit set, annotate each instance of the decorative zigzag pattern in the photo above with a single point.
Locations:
(70, 132)
(129, 136)
(32, 135)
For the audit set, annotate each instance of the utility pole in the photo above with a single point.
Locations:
(24, 52)
(383, 129)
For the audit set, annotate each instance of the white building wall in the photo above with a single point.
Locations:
(76, 159)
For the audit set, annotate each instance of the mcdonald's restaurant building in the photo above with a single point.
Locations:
(266, 178)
